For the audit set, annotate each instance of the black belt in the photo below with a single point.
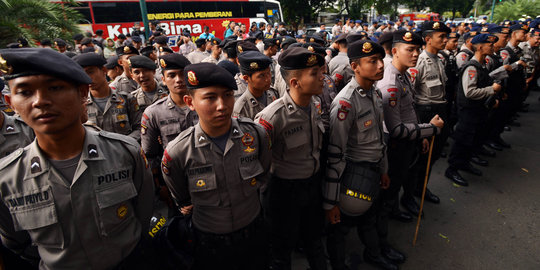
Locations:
(233, 237)
(430, 107)
(374, 166)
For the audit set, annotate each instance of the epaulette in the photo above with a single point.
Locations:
(119, 137)
(273, 107)
(182, 136)
(6, 161)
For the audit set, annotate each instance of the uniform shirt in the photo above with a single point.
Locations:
(210, 59)
(241, 85)
(260, 46)
(248, 105)
(123, 84)
(530, 56)
(187, 48)
(398, 106)
(223, 186)
(296, 137)
(197, 56)
(336, 30)
(463, 56)
(279, 82)
(14, 134)
(387, 60)
(356, 135)
(122, 114)
(4, 107)
(469, 83)
(429, 80)
(161, 123)
(340, 70)
(327, 96)
(506, 56)
(92, 221)
(144, 101)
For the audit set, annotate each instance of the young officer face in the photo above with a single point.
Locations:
(370, 67)
(174, 79)
(144, 77)
(260, 80)
(214, 105)
(47, 104)
(406, 54)
(452, 44)
(438, 40)
(311, 80)
(98, 76)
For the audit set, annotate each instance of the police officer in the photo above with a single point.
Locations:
(357, 163)
(200, 53)
(401, 121)
(107, 108)
(270, 49)
(60, 45)
(339, 67)
(465, 52)
(124, 84)
(296, 129)
(113, 68)
(530, 54)
(448, 59)
(430, 99)
(80, 209)
(215, 46)
(150, 90)
(474, 87)
(219, 166)
(164, 120)
(255, 68)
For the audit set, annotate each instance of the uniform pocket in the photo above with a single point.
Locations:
(249, 172)
(366, 125)
(203, 186)
(114, 201)
(121, 123)
(170, 131)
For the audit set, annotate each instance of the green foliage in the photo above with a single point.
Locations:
(514, 9)
(35, 20)
(296, 12)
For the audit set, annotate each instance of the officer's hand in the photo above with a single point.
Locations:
(508, 67)
(186, 210)
(333, 215)
(522, 63)
(437, 121)
(425, 146)
(497, 87)
(496, 104)
(385, 181)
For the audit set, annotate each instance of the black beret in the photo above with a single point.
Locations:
(122, 36)
(407, 37)
(99, 32)
(126, 50)
(271, 42)
(70, 54)
(78, 37)
(258, 35)
(519, 26)
(314, 47)
(356, 36)
(34, 61)
(287, 41)
(199, 42)
(244, 46)
(14, 45)
(386, 37)
(230, 48)
(140, 61)
(364, 48)
(341, 38)
(46, 42)
(89, 50)
(432, 26)
(161, 40)
(252, 61)
(59, 42)
(173, 61)
(484, 38)
(250, 39)
(229, 66)
(86, 41)
(165, 49)
(207, 74)
(90, 59)
(299, 58)
(147, 49)
(112, 62)
(136, 39)
(315, 38)
(454, 35)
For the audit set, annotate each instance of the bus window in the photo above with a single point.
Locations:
(116, 12)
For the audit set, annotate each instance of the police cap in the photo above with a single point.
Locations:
(244, 46)
(70, 54)
(299, 58)
(314, 48)
(519, 26)
(454, 35)
(139, 61)
(341, 38)
(199, 42)
(252, 61)
(431, 26)
(497, 29)
(315, 38)
(271, 42)
(78, 37)
(90, 59)
(386, 37)
(86, 41)
(126, 50)
(364, 48)
(535, 32)
(407, 37)
(484, 38)
(34, 61)
(161, 40)
(147, 50)
(46, 42)
(59, 42)
(89, 50)
(112, 62)
(229, 66)
(173, 61)
(165, 49)
(287, 41)
(136, 39)
(207, 74)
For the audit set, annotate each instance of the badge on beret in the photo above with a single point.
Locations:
(311, 40)
(192, 78)
(312, 60)
(436, 25)
(240, 50)
(201, 183)
(491, 39)
(310, 48)
(277, 41)
(162, 63)
(4, 67)
(121, 211)
(407, 37)
(254, 65)
(126, 49)
(367, 48)
(472, 74)
(160, 49)
(247, 140)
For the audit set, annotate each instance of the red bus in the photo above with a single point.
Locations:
(418, 16)
(120, 16)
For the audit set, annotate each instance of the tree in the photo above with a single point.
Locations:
(35, 20)
(299, 12)
(514, 9)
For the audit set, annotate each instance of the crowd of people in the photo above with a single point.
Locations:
(231, 154)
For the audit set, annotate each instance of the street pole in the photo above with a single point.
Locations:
(492, 10)
(144, 15)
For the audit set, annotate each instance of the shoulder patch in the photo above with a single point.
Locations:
(472, 73)
(119, 137)
(10, 158)
(266, 125)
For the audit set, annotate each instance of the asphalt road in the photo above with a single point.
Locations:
(494, 223)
